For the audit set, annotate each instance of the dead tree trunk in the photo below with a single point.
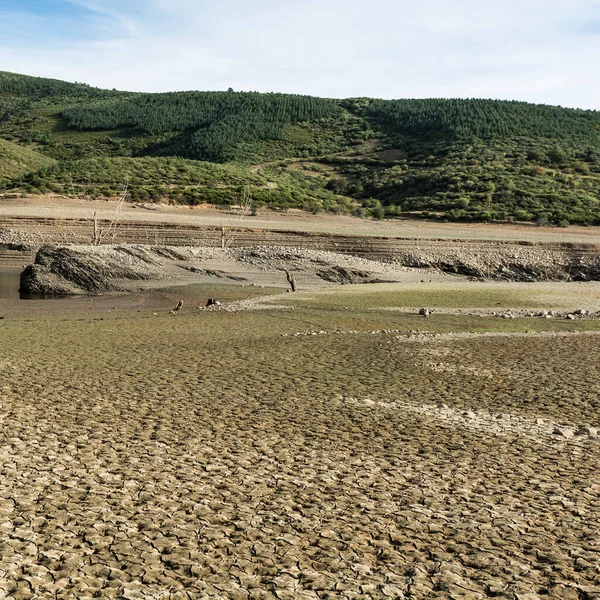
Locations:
(96, 238)
(291, 280)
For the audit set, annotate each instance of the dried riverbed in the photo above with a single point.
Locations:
(218, 454)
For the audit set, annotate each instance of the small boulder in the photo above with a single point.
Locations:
(586, 430)
(565, 432)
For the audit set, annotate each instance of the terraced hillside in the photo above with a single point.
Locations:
(449, 159)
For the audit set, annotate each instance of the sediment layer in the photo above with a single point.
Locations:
(485, 259)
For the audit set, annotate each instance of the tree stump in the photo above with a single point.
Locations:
(291, 280)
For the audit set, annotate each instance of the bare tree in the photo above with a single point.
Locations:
(229, 233)
(100, 233)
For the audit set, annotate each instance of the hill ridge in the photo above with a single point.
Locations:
(455, 159)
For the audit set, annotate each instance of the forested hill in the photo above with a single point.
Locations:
(449, 159)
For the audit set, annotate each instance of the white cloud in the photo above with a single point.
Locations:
(109, 10)
(528, 50)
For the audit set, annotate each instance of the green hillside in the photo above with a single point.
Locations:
(17, 160)
(447, 159)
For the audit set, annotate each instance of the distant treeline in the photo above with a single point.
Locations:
(41, 87)
(487, 119)
(216, 121)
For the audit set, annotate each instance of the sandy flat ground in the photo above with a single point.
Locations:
(295, 220)
(456, 293)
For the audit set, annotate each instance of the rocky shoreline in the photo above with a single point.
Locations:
(85, 269)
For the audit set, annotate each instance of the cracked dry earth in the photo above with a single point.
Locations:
(208, 456)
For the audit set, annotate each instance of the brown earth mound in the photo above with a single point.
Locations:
(69, 270)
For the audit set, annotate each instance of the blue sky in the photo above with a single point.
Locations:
(533, 50)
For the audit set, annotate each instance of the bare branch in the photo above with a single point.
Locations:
(114, 221)
(101, 233)
(229, 235)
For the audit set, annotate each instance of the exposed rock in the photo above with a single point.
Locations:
(565, 432)
(587, 430)
(68, 270)
(88, 269)
(19, 240)
(520, 261)
(342, 275)
(39, 280)
(85, 269)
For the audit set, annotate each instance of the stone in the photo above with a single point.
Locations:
(565, 432)
(587, 430)
(392, 591)
(566, 592)
(131, 593)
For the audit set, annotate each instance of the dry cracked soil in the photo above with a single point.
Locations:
(221, 455)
